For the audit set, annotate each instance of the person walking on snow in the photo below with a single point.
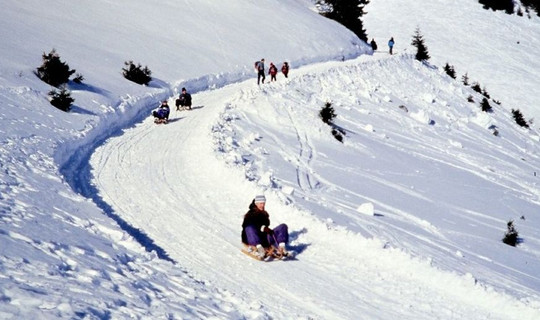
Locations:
(257, 235)
(272, 71)
(285, 69)
(391, 44)
(184, 100)
(259, 66)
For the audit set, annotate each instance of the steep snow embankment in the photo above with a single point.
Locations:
(191, 203)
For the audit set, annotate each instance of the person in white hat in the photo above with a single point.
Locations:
(256, 231)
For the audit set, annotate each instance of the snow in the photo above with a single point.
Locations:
(105, 215)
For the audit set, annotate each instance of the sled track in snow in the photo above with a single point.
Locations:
(198, 216)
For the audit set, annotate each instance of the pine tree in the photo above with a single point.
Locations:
(506, 5)
(418, 41)
(476, 87)
(62, 99)
(486, 107)
(518, 117)
(327, 113)
(511, 236)
(465, 79)
(348, 13)
(137, 73)
(532, 4)
(53, 71)
(450, 70)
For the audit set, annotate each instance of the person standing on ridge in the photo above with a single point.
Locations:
(259, 66)
(391, 44)
(272, 71)
(285, 69)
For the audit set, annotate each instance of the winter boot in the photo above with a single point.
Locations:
(261, 252)
(282, 251)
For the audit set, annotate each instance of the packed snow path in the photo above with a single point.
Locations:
(167, 181)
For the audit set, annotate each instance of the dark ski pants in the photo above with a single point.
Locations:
(259, 76)
(255, 236)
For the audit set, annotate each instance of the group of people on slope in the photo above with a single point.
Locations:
(272, 71)
(161, 115)
(391, 43)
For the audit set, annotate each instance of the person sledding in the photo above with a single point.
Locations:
(259, 240)
(183, 101)
(161, 115)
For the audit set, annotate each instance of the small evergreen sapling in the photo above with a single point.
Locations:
(61, 99)
(486, 107)
(465, 79)
(476, 87)
(450, 70)
(511, 235)
(518, 117)
(53, 71)
(137, 74)
(418, 41)
(327, 113)
(78, 78)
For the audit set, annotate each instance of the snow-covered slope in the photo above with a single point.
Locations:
(434, 236)
(497, 50)
(77, 214)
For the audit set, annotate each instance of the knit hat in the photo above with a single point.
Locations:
(260, 198)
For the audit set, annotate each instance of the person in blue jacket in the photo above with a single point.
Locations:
(162, 113)
(391, 43)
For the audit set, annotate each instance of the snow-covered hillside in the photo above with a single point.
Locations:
(497, 50)
(104, 215)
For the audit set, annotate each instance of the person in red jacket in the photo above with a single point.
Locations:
(272, 71)
(285, 69)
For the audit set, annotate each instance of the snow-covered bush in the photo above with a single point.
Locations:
(53, 71)
(137, 73)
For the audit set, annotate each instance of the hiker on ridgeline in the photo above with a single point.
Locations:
(259, 67)
(285, 69)
(391, 43)
(272, 71)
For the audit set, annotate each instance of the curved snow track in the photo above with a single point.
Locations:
(167, 181)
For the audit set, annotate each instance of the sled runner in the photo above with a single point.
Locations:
(160, 121)
(272, 254)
